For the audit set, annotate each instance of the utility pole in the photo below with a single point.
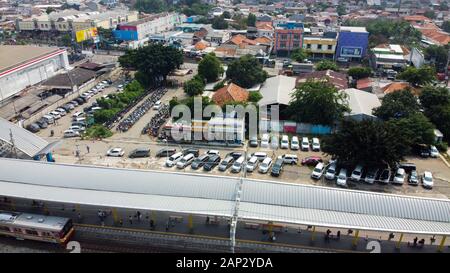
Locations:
(13, 146)
(399, 6)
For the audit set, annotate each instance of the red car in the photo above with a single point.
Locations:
(311, 160)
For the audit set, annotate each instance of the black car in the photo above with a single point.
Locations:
(422, 150)
(226, 163)
(200, 161)
(33, 127)
(42, 123)
(80, 101)
(408, 167)
(139, 152)
(235, 155)
(166, 152)
(193, 151)
(213, 161)
(277, 167)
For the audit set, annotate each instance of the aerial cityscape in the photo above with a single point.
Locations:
(224, 126)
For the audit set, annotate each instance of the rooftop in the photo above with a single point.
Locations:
(77, 77)
(353, 29)
(361, 102)
(277, 89)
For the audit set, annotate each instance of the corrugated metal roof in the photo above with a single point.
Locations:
(24, 140)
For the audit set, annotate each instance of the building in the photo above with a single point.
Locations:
(288, 36)
(156, 23)
(276, 91)
(74, 20)
(339, 80)
(320, 47)
(361, 104)
(24, 66)
(389, 57)
(71, 81)
(230, 93)
(352, 43)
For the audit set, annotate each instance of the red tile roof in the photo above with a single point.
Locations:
(363, 83)
(230, 93)
(339, 80)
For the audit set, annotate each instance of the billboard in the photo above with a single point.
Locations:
(349, 51)
(86, 34)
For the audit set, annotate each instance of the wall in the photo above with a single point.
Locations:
(348, 40)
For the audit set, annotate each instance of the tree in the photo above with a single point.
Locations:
(254, 96)
(368, 142)
(430, 14)
(194, 86)
(359, 72)
(436, 103)
(317, 102)
(443, 6)
(437, 55)
(49, 10)
(299, 55)
(210, 68)
(416, 129)
(226, 14)
(397, 104)
(251, 20)
(219, 23)
(341, 10)
(418, 76)
(326, 64)
(66, 39)
(446, 26)
(153, 62)
(246, 71)
(151, 6)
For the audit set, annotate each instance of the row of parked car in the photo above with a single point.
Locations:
(371, 175)
(62, 111)
(285, 143)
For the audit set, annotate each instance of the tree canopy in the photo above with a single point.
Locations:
(397, 104)
(153, 62)
(194, 86)
(436, 103)
(299, 55)
(430, 14)
(359, 72)
(219, 23)
(418, 76)
(251, 20)
(437, 55)
(317, 102)
(246, 71)
(210, 68)
(446, 26)
(326, 64)
(151, 6)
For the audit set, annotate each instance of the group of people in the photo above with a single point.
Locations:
(329, 236)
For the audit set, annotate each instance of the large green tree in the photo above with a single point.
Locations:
(251, 20)
(416, 129)
(210, 67)
(219, 23)
(437, 55)
(359, 72)
(317, 102)
(446, 26)
(325, 65)
(436, 103)
(246, 71)
(299, 55)
(194, 86)
(418, 76)
(397, 104)
(369, 142)
(151, 6)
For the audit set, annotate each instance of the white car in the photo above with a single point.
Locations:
(318, 171)
(284, 142)
(71, 133)
(265, 141)
(117, 152)
(274, 142)
(305, 144)
(330, 174)
(252, 163)
(61, 111)
(434, 151)
(120, 86)
(212, 152)
(342, 178)
(427, 180)
(55, 114)
(357, 173)
(265, 165)
(289, 159)
(237, 165)
(294, 143)
(77, 128)
(185, 161)
(157, 105)
(399, 177)
(77, 114)
(173, 159)
(371, 175)
(315, 144)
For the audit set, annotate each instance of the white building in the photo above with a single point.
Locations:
(24, 66)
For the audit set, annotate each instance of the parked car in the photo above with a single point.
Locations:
(49, 119)
(305, 144)
(212, 162)
(185, 161)
(357, 173)
(371, 175)
(200, 161)
(193, 151)
(71, 133)
(265, 165)
(342, 178)
(253, 141)
(422, 150)
(265, 141)
(277, 167)
(260, 155)
(117, 152)
(74, 103)
(330, 172)
(33, 127)
(427, 180)
(80, 100)
(77, 128)
(61, 111)
(212, 152)
(55, 114)
(399, 177)
(289, 159)
(385, 176)
(235, 155)
(226, 163)
(318, 171)
(274, 142)
(413, 179)
(434, 151)
(294, 143)
(157, 105)
(77, 115)
(252, 163)
(173, 159)
(237, 165)
(315, 144)
(42, 123)
(284, 142)
(165, 152)
(311, 160)
(139, 152)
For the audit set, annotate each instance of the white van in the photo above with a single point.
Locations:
(252, 163)
(315, 144)
(173, 159)
(284, 142)
(289, 159)
(305, 144)
(399, 177)
(330, 174)
(49, 119)
(77, 128)
(265, 141)
(185, 161)
(260, 155)
(237, 165)
(295, 145)
(265, 165)
(342, 178)
(318, 171)
(71, 133)
(357, 173)
(77, 114)
(79, 119)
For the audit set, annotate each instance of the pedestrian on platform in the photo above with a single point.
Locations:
(152, 224)
(391, 236)
(79, 217)
(432, 239)
(167, 225)
(87, 148)
(130, 219)
(338, 234)
(207, 219)
(415, 241)
(121, 222)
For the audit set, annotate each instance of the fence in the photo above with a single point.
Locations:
(285, 126)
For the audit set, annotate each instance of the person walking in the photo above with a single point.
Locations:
(415, 241)
(87, 148)
(338, 234)
(130, 219)
(207, 219)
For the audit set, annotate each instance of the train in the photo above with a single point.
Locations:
(27, 226)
